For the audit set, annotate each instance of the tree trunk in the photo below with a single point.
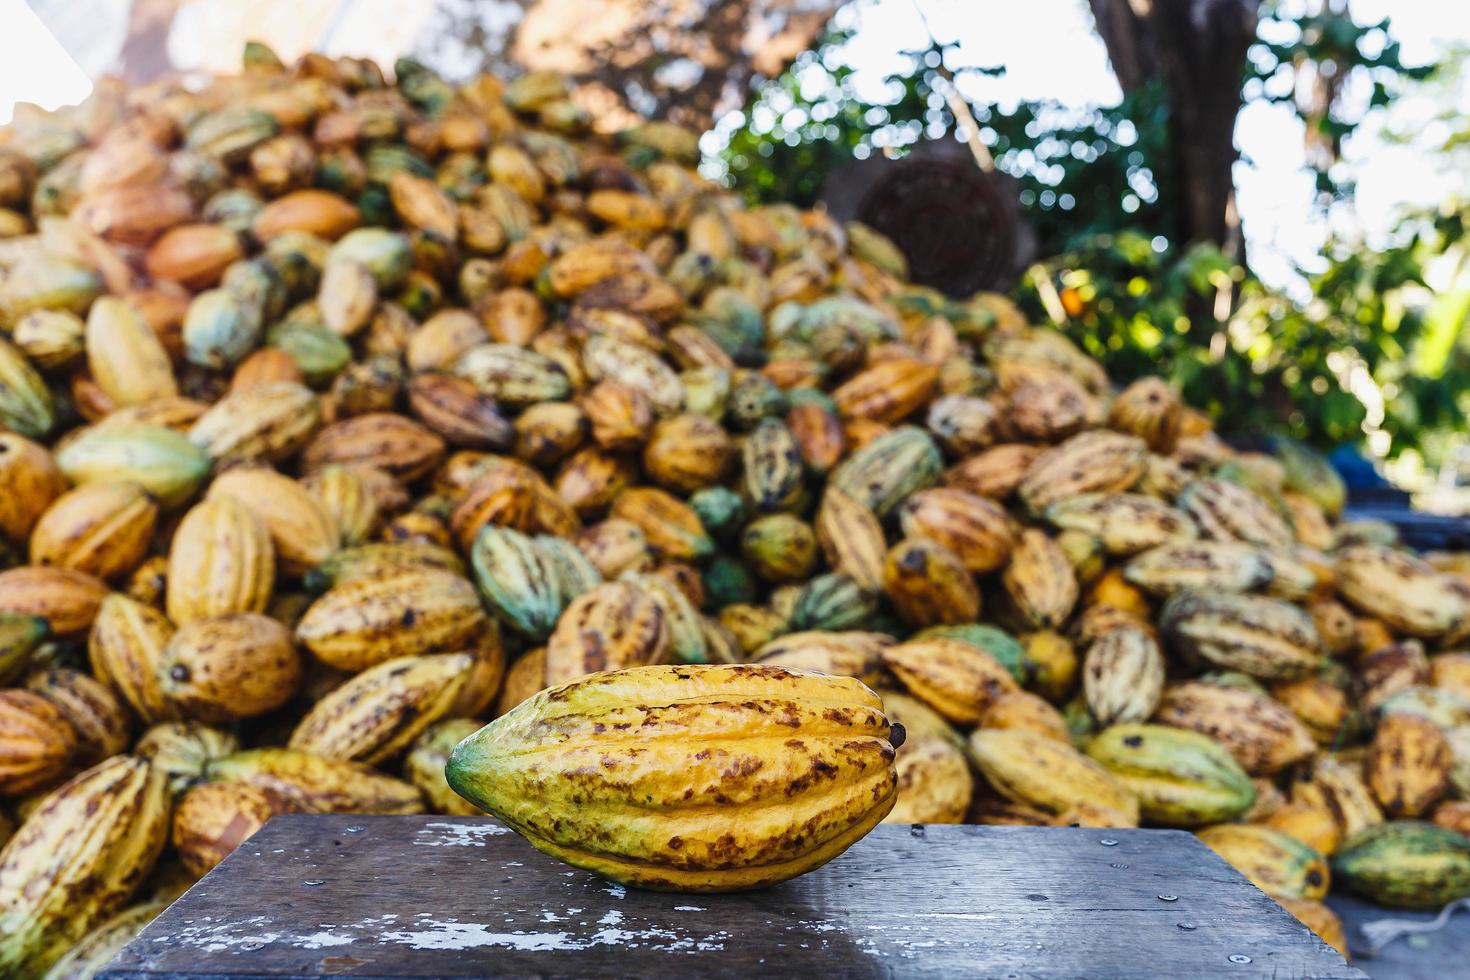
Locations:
(1197, 50)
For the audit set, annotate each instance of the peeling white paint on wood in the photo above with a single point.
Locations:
(457, 834)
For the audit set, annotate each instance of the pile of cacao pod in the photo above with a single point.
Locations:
(342, 415)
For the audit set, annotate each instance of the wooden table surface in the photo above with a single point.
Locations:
(455, 897)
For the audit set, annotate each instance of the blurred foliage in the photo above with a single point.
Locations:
(1331, 70)
(1080, 171)
(1372, 351)
(1368, 351)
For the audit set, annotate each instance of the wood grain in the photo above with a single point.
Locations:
(460, 897)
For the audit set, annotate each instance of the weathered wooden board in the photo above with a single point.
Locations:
(448, 897)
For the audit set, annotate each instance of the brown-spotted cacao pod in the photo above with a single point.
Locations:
(67, 599)
(378, 713)
(224, 668)
(102, 529)
(312, 784)
(213, 819)
(364, 622)
(1408, 765)
(1049, 775)
(221, 561)
(38, 745)
(766, 724)
(57, 882)
(613, 626)
(1262, 734)
(102, 724)
(957, 679)
(934, 781)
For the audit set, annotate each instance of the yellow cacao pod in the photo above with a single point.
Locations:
(125, 356)
(956, 679)
(213, 819)
(1123, 675)
(424, 766)
(266, 422)
(615, 625)
(221, 561)
(1276, 863)
(848, 654)
(699, 724)
(68, 600)
(57, 882)
(1408, 765)
(102, 724)
(229, 667)
(37, 743)
(102, 529)
(126, 652)
(1050, 775)
(367, 621)
(1261, 733)
(302, 533)
(32, 481)
(311, 784)
(378, 713)
(934, 781)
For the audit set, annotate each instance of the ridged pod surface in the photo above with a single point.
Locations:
(99, 946)
(37, 743)
(848, 654)
(102, 723)
(756, 773)
(885, 471)
(1040, 581)
(1203, 566)
(424, 766)
(976, 529)
(1276, 863)
(934, 781)
(168, 466)
(66, 599)
(1226, 511)
(369, 620)
(32, 481)
(212, 819)
(224, 668)
(1123, 675)
(1181, 779)
(1042, 772)
(268, 423)
(312, 784)
(852, 538)
(221, 561)
(126, 648)
(302, 533)
(378, 713)
(1403, 591)
(1408, 765)
(102, 529)
(124, 355)
(1262, 734)
(1125, 523)
(82, 853)
(1263, 637)
(1090, 462)
(518, 581)
(613, 626)
(955, 678)
(1405, 864)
